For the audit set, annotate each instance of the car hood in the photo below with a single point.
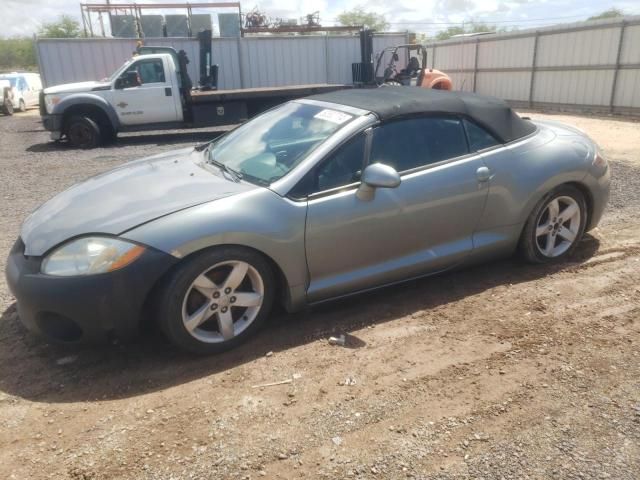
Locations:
(75, 87)
(123, 198)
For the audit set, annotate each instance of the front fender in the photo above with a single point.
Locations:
(259, 219)
(87, 99)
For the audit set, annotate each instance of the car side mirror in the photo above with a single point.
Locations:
(375, 176)
(128, 80)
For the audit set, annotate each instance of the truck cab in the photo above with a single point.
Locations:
(145, 90)
(152, 91)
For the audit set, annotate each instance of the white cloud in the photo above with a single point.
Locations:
(24, 17)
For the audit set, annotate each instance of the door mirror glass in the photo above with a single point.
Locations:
(379, 175)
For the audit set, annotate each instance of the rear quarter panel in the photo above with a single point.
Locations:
(524, 171)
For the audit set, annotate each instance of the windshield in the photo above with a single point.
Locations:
(272, 144)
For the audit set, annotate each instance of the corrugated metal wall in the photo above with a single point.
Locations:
(590, 65)
(243, 62)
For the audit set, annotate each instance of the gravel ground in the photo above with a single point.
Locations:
(501, 372)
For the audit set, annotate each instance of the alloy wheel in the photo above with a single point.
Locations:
(222, 301)
(558, 226)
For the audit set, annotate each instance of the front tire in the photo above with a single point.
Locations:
(555, 226)
(83, 132)
(216, 299)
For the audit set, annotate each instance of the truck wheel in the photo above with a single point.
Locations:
(83, 132)
(7, 108)
(22, 106)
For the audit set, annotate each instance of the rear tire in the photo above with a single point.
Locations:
(7, 108)
(216, 299)
(83, 132)
(22, 107)
(555, 227)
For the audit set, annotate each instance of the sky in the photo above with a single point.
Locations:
(24, 17)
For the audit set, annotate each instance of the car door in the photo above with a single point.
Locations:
(424, 225)
(149, 102)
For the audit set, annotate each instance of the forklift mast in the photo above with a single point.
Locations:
(362, 71)
(208, 71)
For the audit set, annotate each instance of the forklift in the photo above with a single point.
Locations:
(414, 73)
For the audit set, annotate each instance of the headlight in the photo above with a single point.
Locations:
(91, 255)
(50, 101)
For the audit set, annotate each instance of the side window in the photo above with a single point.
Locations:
(150, 71)
(416, 142)
(479, 138)
(341, 168)
(22, 85)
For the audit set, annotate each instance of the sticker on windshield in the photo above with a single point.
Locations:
(333, 116)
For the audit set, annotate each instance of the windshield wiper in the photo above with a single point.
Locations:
(203, 146)
(233, 173)
(206, 148)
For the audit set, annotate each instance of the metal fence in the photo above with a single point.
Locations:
(592, 66)
(244, 62)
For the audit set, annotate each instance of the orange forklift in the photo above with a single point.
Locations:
(407, 66)
(414, 73)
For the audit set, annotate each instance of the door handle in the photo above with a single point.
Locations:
(483, 174)
(168, 92)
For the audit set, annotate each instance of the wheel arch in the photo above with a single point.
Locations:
(573, 183)
(91, 105)
(588, 198)
(283, 294)
(94, 112)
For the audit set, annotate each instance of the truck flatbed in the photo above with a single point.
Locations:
(227, 107)
(288, 91)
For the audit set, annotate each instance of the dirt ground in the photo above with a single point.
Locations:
(502, 371)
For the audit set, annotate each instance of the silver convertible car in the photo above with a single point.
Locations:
(315, 199)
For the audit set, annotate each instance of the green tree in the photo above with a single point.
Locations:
(611, 13)
(64, 27)
(17, 54)
(358, 16)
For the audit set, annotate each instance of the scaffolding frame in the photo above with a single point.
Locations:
(135, 10)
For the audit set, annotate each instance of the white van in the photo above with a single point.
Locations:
(26, 89)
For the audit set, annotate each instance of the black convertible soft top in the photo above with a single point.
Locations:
(390, 102)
